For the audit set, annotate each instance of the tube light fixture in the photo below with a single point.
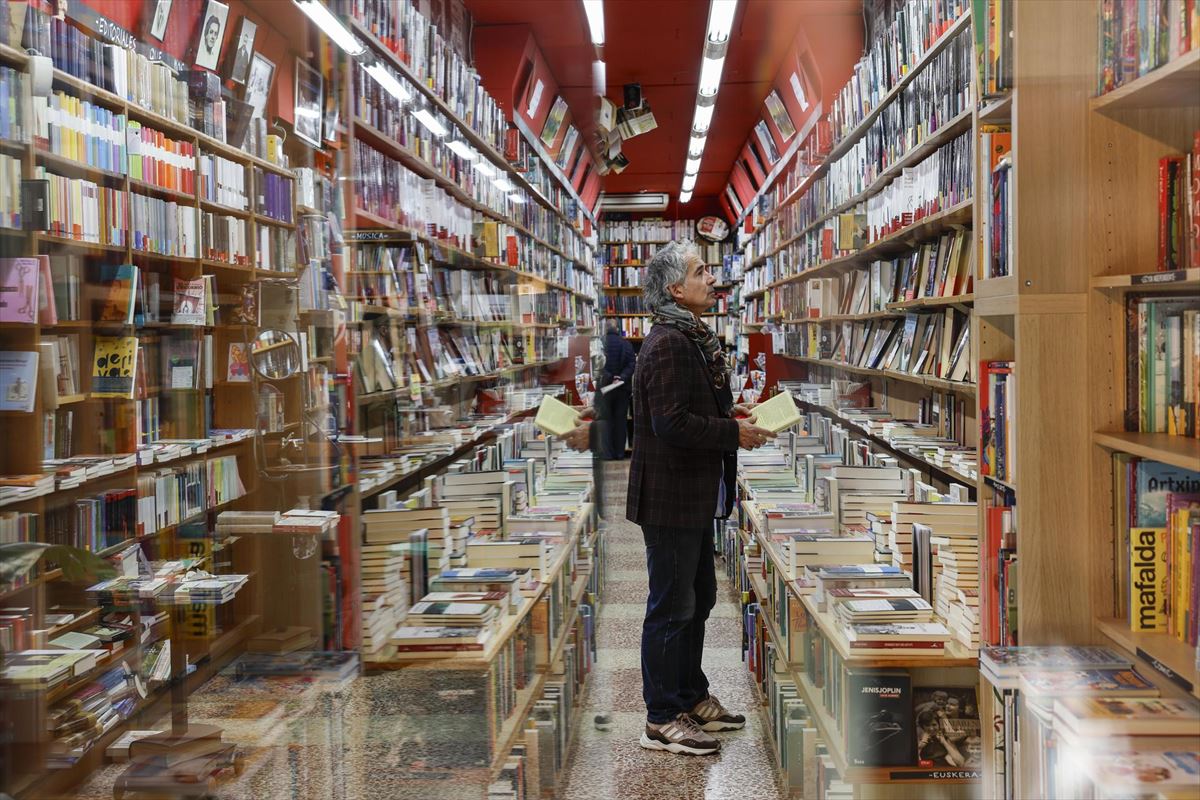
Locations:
(710, 75)
(516, 198)
(503, 184)
(595, 17)
(703, 118)
(389, 82)
(685, 197)
(430, 122)
(692, 167)
(689, 182)
(331, 26)
(696, 146)
(600, 77)
(484, 168)
(462, 150)
(720, 19)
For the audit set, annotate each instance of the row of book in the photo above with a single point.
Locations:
(1162, 353)
(387, 189)
(897, 43)
(1157, 517)
(932, 344)
(940, 93)
(939, 182)
(1179, 210)
(1137, 38)
(618, 304)
(383, 114)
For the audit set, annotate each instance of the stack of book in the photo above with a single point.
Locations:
(452, 614)
(818, 549)
(433, 642)
(524, 555)
(202, 587)
(906, 639)
(882, 610)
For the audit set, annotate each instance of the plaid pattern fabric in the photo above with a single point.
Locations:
(680, 438)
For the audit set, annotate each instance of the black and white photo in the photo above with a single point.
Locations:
(258, 84)
(310, 103)
(240, 69)
(158, 19)
(212, 34)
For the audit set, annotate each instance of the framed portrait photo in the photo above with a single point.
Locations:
(159, 12)
(258, 84)
(310, 103)
(212, 34)
(239, 68)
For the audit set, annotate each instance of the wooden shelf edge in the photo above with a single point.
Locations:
(1173, 659)
(1169, 85)
(1178, 451)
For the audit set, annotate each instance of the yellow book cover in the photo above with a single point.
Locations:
(1148, 579)
(114, 364)
(556, 417)
(778, 413)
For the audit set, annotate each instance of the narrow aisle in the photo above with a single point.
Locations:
(610, 765)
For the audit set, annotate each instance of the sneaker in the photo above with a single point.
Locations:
(710, 715)
(680, 735)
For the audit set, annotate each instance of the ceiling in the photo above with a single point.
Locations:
(658, 43)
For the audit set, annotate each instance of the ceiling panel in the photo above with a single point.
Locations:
(658, 43)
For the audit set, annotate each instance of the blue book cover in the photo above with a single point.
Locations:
(1153, 482)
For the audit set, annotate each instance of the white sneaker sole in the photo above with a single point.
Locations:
(675, 747)
(717, 726)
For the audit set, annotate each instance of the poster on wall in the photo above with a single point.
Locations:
(554, 121)
(212, 34)
(240, 68)
(310, 103)
(780, 116)
(159, 14)
(258, 84)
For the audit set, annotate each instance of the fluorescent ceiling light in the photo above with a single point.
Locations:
(710, 75)
(600, 77)
(462, 150)
(696, 146)
(720, 19)
(331, 26)
(516, 198)
(703, 118)
(595, 17)
(503, 185)
(430, 122)
(484, 168)
(685, 197)
(689, 182)
(692, 166)
(390, 83)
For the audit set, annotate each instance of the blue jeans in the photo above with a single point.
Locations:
(683, 590)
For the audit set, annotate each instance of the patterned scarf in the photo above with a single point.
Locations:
(678, 317)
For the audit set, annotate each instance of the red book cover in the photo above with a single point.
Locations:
(511, 250)
(1167, 252)
(826, 244)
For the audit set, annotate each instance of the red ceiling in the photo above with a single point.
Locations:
(658, 43)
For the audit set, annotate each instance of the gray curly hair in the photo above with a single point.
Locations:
(667, 268)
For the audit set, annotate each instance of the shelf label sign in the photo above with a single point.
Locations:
(112, 32)
(1168, 673)
(1174, 276)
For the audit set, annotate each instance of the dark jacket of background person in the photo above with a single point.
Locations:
(681, 440)
(618, 359)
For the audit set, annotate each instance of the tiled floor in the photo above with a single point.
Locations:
(609, 765)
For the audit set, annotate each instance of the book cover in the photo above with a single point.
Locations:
(1149, 579)
(18, 380)
(18, 289)
(1071, 683)
(1128, 716)
(120, 298)
(238, 369)
(114, 364)
(190, 304)
(879, 719)
(1152, 482)
(947, 728)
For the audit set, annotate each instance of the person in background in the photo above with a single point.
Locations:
(619, 361)
(681, 478)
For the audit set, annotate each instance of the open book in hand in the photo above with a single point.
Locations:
(616, 383)
(556, 417)
(778, 413)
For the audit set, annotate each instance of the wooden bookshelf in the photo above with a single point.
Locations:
(1178, 451)
(1162, 653)
(1171, 85)
(922, 380)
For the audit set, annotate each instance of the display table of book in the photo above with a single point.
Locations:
(863, 683)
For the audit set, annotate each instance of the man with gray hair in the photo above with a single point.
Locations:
(681, 477)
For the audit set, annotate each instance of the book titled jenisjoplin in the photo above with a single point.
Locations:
(879, 722)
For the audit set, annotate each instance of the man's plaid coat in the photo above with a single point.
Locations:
(681, 438)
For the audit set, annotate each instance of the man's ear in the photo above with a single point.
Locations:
(676, 290)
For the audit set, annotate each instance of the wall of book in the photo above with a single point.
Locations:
(236, 339)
